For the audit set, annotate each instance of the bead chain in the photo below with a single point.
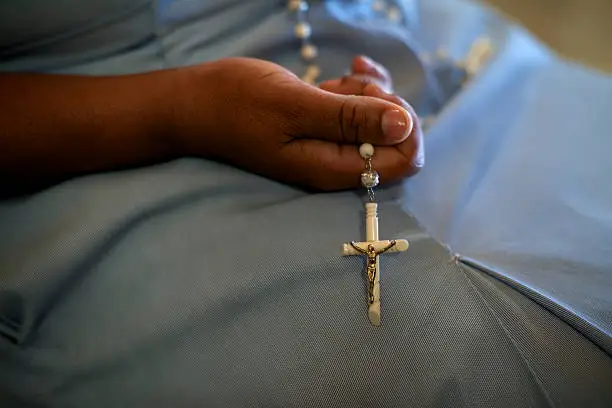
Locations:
(309, 53)
(475, 59)
(303, 31)
(369, 177)
(366, 184)
(473, 62)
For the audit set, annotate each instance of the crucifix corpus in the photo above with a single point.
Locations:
(372, 247)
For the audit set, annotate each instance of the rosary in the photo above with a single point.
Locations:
(303, 30)
(372, 247)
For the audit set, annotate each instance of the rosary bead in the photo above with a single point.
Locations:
(394, 14)
(312, 74)
(309, 52)
(313, 71)
(303, 30)
(366, 150)
(378, 5)
(369, 179)
(295, 5)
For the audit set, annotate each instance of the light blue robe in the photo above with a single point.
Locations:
(126, 289)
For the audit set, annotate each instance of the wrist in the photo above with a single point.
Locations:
(189, 110)
(161, 98)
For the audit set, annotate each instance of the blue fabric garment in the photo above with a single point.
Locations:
(126, 288)
(519, 184)
(533, 203)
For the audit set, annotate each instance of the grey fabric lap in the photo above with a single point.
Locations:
(209, 285)
(192, 283)
(81, 221)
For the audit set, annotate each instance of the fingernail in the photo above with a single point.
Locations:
(367, 60)
(396, 125)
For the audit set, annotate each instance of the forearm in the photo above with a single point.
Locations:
(55, 126)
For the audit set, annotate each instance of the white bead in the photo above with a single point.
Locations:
(378, 5)
(303, 30)
(428, 121)
(366, 150)
(295, 5)
(313, 71)
(311, 74)
(309, 52)
(394, 14)
(426, 58)
(478, 55)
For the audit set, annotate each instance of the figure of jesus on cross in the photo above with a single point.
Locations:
(372, 248)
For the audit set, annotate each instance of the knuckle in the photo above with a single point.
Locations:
(364, 80)
(375, 70)
(373, 88)
(346, 79)
(353, 121)
(378, 70)
(356, 84)
(363, 85)
(342, 121)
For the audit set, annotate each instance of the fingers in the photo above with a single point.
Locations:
(364, 72)
(349, 85)
(364, 66)
(347, 119)
(352, 86)
(331, 166)
(413, 147)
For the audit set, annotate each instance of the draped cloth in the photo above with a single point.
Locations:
(192, 283)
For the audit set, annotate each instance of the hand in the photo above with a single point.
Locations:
(261, 117)
(369, 78)
(368, 71)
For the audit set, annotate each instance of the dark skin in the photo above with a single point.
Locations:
(250, 113)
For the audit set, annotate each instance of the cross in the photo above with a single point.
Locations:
(372, 248)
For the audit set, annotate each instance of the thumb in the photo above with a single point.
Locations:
(348, 119)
